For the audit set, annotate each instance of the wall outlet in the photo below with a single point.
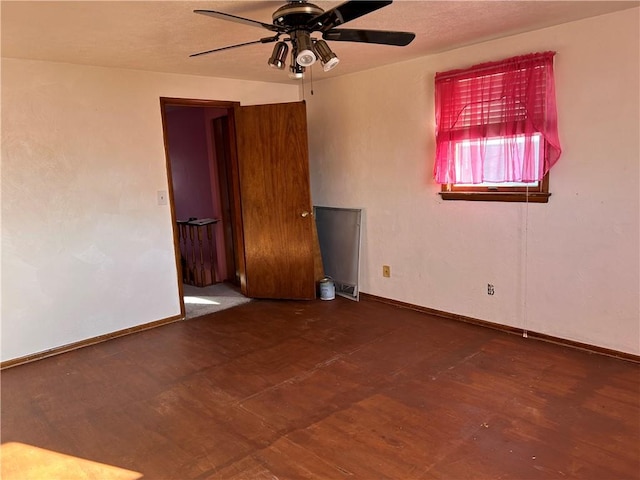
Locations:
(491, 290)
(386, 271)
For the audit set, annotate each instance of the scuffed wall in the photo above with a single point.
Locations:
(569, 268)
(86, 249)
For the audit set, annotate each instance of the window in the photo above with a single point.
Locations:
(496, 130)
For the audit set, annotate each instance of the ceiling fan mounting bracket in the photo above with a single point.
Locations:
(295, 14)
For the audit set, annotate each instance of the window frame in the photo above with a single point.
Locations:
(537, 194)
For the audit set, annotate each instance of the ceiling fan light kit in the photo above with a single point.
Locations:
(304, 46)
(279, 56)
(296, 71)
(328, 59)
(299, 19)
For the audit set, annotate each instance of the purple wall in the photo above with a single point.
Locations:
(193, 170)
(189, 154)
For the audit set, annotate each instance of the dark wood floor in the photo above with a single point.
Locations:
(328, 390)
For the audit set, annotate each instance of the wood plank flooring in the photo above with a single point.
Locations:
(323, 390)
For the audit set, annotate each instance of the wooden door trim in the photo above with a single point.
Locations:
(191, 102)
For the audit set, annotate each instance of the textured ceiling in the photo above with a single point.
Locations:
(160, 35)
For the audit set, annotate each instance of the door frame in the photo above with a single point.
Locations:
(233, 185)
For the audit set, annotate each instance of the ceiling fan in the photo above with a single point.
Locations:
(298, 19)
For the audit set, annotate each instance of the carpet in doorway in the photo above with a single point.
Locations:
(200, 301)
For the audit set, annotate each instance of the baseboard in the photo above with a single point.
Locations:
(438, 313)
(85, 343)
(505, 328)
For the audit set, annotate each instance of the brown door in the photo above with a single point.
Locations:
(277, 222)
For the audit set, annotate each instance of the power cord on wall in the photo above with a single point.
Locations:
(526, 264)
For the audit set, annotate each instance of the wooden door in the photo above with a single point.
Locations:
(276, 210)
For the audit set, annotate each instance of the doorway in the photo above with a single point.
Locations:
(266, 222)
(198, 148)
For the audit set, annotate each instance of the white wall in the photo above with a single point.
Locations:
(86, 250)
(569, 268)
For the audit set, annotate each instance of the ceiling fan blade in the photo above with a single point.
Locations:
(384, 37)
(344, 13)
(262, 40)
(234, 18)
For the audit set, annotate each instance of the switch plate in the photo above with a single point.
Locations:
(386, 271)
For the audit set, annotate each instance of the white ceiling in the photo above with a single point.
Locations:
(160, 35)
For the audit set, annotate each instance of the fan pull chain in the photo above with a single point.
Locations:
(311, 79)
(303, 97)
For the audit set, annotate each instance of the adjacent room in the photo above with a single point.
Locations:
(496, 330)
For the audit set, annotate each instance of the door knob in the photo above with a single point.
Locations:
(304, 214)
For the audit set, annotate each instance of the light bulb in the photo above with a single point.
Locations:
(306, 58)
(304, 48)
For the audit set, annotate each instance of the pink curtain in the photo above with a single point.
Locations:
(497, 122)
